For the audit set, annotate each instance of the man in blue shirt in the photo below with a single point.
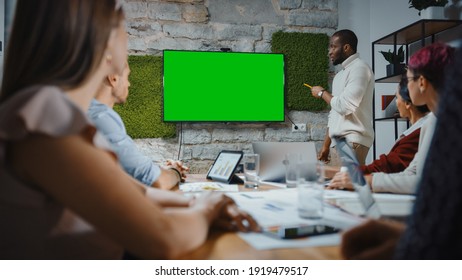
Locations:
(114, 90)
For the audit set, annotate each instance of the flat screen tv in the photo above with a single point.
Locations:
(223, 87)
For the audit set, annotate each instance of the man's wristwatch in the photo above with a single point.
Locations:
(320, 93)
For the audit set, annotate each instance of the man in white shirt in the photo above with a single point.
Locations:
(351, 99)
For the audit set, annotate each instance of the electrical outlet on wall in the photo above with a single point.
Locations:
(301, 127)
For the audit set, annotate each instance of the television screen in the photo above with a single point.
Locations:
(223, 87)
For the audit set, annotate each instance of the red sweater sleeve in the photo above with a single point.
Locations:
(398, 158)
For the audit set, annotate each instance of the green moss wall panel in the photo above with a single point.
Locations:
(142, 113)
(306, 62)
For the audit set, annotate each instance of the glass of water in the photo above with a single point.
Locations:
(291, 163)
(310, 185)
(251, 170)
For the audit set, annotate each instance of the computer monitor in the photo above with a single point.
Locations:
(201, 86)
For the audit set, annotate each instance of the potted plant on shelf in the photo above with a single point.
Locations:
(396, 64)
(429, 9)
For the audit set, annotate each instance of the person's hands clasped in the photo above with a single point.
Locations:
(225, 214)
(233, 218)
(341, 181)
(375, 239)
(178, 165)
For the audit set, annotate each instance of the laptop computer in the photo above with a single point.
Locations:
(396, 207)
(272, 157)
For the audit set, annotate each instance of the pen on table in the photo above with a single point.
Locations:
(307, 85)
(251, 197)
(273, 207)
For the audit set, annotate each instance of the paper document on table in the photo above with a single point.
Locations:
(268, 207)
(208, 186)
(389, 204)
(332, 195)
(279, 207)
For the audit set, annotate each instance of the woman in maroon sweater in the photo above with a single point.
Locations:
(407, 144)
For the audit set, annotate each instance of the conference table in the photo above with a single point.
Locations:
(228, 245)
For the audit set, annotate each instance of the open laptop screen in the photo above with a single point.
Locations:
(272, 156)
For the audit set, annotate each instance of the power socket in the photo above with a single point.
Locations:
(301, 127)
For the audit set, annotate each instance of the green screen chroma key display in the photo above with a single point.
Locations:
(223, 86)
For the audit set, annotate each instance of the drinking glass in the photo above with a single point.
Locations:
(251, 170)
(310, 185)
(291, 163)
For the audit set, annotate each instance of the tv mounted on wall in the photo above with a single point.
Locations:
(204, 86)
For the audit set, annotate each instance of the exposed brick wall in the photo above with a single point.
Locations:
(242, 25)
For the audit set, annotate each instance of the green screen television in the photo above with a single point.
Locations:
(204, 86)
